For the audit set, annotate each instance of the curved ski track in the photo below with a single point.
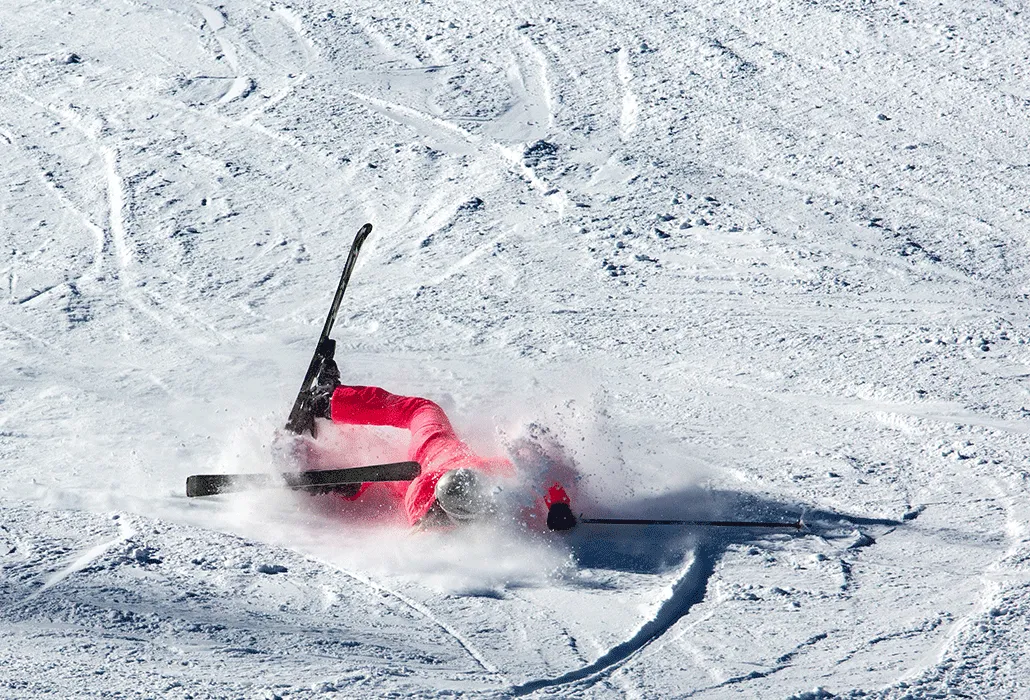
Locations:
(688, 590)
(425, 612)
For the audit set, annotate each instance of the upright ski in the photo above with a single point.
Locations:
(301, 418)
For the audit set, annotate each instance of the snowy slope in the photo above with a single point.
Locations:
(733, 259)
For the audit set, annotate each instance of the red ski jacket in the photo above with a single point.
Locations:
(434, 444)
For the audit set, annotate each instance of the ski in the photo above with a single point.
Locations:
(212, 484)
(708, 523)
(301, 419)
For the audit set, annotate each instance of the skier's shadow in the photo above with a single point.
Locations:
(653, 549)
(661, 549)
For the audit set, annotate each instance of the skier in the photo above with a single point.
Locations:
(455, 484)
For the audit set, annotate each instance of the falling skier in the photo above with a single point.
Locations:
(456, 484)
(450, 484)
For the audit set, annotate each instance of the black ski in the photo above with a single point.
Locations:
(211, 484)
(301, 418)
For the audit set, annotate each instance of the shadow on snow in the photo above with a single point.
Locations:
(654, 549)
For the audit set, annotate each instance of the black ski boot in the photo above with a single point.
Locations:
(325, 383)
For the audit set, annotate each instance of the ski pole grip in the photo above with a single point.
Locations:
(560, 517)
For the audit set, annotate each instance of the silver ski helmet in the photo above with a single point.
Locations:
(464, 494)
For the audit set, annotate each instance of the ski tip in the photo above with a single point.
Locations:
(359, 240)
(195, 486)
(208, 484)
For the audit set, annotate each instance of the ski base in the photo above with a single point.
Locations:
(212, 484)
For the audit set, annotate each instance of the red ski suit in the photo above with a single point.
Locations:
(434, 444)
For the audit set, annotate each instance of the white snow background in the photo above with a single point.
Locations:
(734, 259)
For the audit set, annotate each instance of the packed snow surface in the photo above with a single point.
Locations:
(724, 259)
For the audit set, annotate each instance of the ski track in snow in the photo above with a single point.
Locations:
(116, 236)
(420, 121)
(215, 21)
(425, 612)
(84, 560)
(630, 108)
(116, 205)
(541, 100)
(687, 590)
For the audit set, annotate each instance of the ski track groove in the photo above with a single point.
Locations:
(542, 80)
(187, 316)
(630, 112)
(250, 118)
(425, 612)
(781, 663)
(99, 234)
(37, 293)
(117, 230)
(929, 625)
(216, 22)
(405, 115)
(993, 587)
(688, 590)
(117, 234)
(93, 268)
(28, 334)
(386, 47)
(469, 258)
(962, 632)
(84, 560)
(568, 635)
(116, 208)
(913, 200)
(26, 405)
(100, 246)
(225, 121)
(293, 22)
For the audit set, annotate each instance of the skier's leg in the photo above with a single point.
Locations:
(369, 405)
(434, 445)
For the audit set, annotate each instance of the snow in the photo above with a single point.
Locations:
(724, 260)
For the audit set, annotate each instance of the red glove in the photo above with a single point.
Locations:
(559, 509)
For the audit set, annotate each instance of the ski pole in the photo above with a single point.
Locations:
(711, 523)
